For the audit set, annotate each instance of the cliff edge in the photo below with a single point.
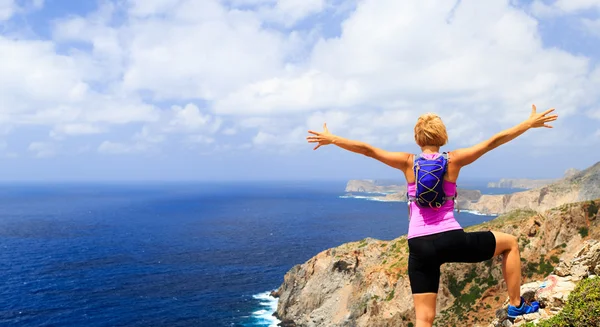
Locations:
(365, 283)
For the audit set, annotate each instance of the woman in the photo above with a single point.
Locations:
(434, 236)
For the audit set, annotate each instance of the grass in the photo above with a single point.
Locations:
(542, 267)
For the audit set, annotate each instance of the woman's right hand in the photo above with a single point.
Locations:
(540, 120)
(323, 138)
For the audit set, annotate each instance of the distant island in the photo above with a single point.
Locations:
(525, 183)
(381, 191)
(573, 187)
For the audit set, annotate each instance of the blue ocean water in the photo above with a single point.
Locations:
(173, 254)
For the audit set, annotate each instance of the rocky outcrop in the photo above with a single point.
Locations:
(581, 186)
(553, 292)
(397, 193)
(365, 283)
(525, 183)
(520, 183)
(373, 186)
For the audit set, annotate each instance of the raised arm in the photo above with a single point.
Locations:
(466, 156)
(397, 160)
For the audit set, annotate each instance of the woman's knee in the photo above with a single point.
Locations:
(425, 304)
(426, 317)
(505, 242)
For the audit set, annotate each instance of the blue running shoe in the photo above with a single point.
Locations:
(523, 308)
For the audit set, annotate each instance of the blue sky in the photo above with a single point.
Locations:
(226, 89)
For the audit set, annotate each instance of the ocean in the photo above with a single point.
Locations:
(171, 254)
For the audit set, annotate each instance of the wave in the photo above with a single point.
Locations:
(477, 213)
(264, 316)
(364, 197)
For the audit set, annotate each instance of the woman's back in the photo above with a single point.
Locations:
(426, 220)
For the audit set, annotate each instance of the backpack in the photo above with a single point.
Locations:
(429, 176)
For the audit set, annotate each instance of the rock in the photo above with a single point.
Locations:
(528, 290)
(502, 314)
(365, 283)
(555, 292)
(532, 230)
(532, 316)
(585, 263)
(287, 323)
(582, 186)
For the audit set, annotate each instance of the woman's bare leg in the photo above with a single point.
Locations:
(507, 245)
(425, 308)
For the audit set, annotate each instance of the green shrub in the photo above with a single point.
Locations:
(582, 308)
(583, 231)
(592, 209)
(390, 296)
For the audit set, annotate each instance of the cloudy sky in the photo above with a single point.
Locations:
(226, 89)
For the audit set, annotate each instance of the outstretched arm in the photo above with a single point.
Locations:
(394, 159)
(466, 156)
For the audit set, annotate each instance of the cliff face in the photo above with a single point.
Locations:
(365, 283)
(580, 186)
(525, 183)
(398, 192)
(521, 183)
(372, 186)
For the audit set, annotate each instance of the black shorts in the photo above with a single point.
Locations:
(428, 253)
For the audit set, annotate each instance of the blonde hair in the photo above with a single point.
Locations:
(430, 130)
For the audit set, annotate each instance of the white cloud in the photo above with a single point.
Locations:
(478, 59)
(230, 131)
(108, 147)
(172, 54)
(592, 25)
(189, 118)
(288, 138)
(7, 9)
(43, 149)
(594, 113)
(478, 65)
(289, 12)
(558, 7)
(202, 139)
(37, 4)
(76, 129)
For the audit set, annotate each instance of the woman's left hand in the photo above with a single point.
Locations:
(323, 138)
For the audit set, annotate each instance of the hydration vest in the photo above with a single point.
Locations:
(429, 177)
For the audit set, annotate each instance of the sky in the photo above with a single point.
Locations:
(193, 90)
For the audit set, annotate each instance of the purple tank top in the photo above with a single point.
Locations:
(427, 221)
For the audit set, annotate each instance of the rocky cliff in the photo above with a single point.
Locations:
(524, 183)
(365, 283)
(521, 183)
(580, 186)
(373, 186)
(398, 192)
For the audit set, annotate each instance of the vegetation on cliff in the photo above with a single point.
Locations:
(581, 310)
(365, 283)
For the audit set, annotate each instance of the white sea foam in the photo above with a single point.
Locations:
(363, 197)
(477, 213)
(264, 316)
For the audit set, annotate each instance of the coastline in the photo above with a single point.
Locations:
(378, 198)
(265, 315)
